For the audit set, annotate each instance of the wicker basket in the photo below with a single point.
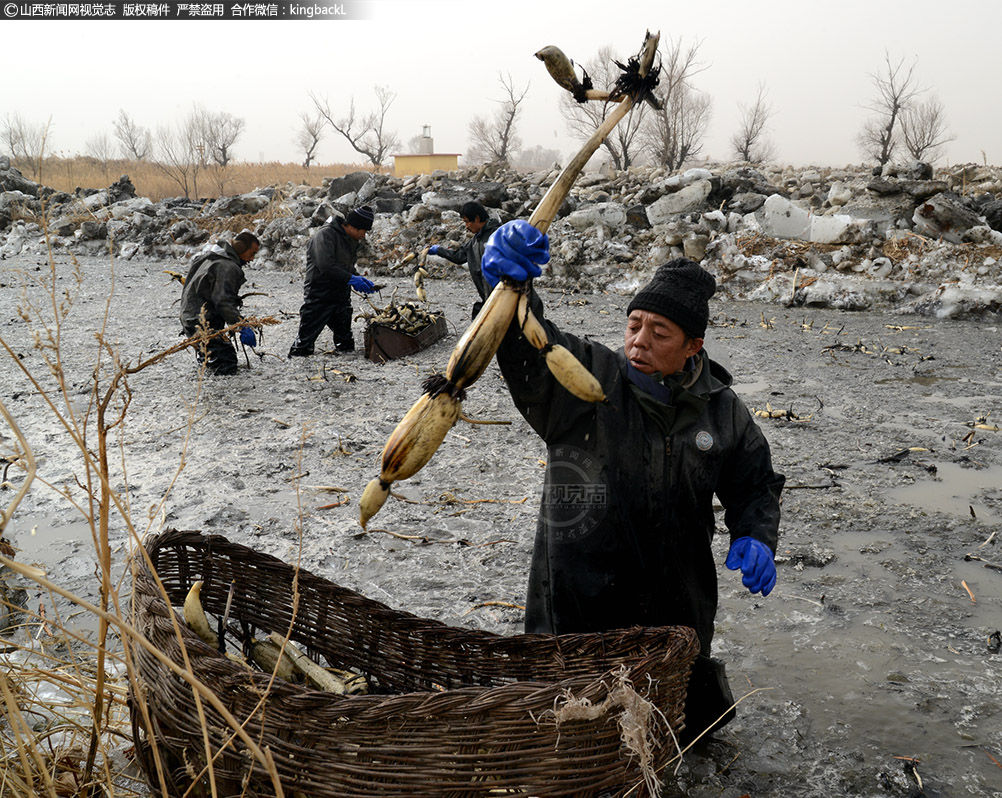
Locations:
(452, 712)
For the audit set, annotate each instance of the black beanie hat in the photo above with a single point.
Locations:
(680, 291)
(361, 217)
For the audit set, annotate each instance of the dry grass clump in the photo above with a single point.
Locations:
(900, 248)
(64, 671)
(68, 174)
(47, 692)
(235, 224)
(788, 255)
(784, 253)
(215, 225)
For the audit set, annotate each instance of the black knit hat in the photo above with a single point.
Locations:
(680, 291)
(361, 217)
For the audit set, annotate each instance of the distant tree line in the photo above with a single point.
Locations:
(200, 145)
(906, 120)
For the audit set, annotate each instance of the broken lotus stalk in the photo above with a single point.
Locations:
(561, 69)
(422, 430)
(547, 209)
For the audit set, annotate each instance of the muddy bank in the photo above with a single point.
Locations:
(869, 650)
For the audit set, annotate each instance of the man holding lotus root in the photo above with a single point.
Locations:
(626, 520)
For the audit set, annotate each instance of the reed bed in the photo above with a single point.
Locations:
(70, 173)
(64, 669)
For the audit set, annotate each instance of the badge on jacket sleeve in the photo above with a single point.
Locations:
(704, 441)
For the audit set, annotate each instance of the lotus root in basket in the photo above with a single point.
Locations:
(450, 711)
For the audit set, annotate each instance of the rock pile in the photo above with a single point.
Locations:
(907, 238)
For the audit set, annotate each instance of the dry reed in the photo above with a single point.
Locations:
(64, 727)
(68, 174)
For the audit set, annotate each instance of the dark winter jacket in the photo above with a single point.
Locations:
(330, 261)
(626, 518)
(214, 279)
(471, 252)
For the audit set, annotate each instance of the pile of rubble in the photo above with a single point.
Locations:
(908, 238)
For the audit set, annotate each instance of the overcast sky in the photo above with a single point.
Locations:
(442, 59)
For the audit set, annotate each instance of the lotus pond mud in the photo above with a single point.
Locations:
(873, 667)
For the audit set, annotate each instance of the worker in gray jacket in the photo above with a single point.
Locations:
(480, 225)
(212, 290)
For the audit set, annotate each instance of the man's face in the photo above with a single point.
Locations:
(354, 232)
(248, 254)
(474, 225)
(655, 343)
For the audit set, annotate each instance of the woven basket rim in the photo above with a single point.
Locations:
(500, 709)
(174, 537)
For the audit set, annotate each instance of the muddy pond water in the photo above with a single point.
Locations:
(870, 670)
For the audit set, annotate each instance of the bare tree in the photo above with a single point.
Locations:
(220, 131)
(583, 119)
(749, 142)
(923, 128)
(675, 134)
(25, 143)
(173, 159)
(896, 89)
(495, 138)
(101, 148)
(134, 142)
(367, 135)
(205, 142)
(181, 152)
(308, 136)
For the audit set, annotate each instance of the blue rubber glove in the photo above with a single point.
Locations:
(515, 250)
(360, 283)
(755, 560)
(433, 249)
(247, 337)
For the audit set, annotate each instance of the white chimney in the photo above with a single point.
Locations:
(427, 144)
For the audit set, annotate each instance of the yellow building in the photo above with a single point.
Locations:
(426, 160)
(424, 164)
